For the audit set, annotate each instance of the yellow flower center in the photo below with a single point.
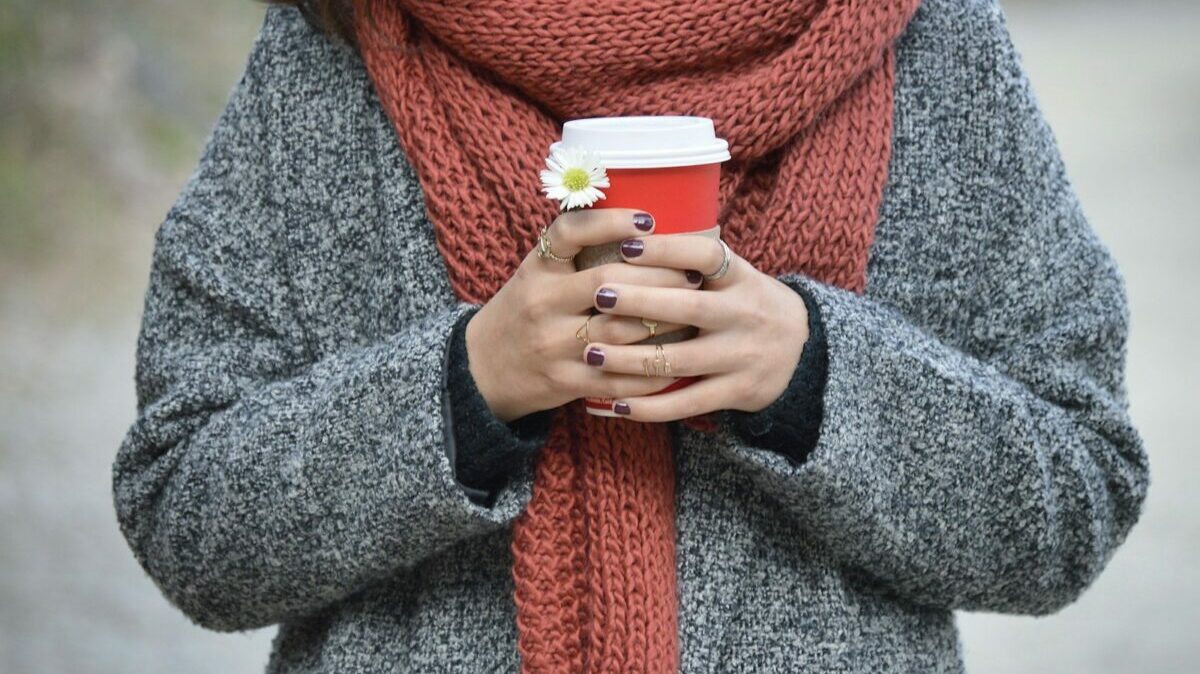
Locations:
(575, 179)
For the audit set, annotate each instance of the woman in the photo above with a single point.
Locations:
(358, 376)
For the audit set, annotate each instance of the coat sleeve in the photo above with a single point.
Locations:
(257, 483)
(976, 451)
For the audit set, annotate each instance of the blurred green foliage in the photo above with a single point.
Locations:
(104, 107)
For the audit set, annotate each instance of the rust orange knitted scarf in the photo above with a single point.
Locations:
(477, 90)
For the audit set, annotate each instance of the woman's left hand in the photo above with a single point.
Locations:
(752, 331)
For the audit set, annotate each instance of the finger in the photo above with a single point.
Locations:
(672, 305)
(700, 253)
(694, 357)
(563, 336)
(574, 230)
(578, 289)
(706, 395)
(611, 329)
(589, 382)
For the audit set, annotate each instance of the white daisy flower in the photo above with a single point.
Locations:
(573, 177)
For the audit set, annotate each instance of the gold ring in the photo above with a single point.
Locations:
(543, 248)
(659, 366)
(653, 325)
(582, 334)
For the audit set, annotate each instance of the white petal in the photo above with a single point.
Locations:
(563, 158)
(582, 198)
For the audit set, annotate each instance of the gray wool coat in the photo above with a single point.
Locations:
(287, 464)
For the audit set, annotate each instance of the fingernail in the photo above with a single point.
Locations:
(621, 408)
(632, 247)
(693, 276)
(606, 298)
(595, 357)
(643, 221)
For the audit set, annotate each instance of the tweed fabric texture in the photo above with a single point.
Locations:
(477, 91)
(288, 461)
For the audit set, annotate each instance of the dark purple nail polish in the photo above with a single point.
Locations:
(643, 221)
(595, 357)
(632, 247)
(621, 408)
(693, 276)
(606, 298)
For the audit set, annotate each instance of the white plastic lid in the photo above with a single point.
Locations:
(651, 141)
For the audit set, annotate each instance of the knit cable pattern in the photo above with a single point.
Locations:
(477, 91)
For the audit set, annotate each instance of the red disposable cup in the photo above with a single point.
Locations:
(668, 166)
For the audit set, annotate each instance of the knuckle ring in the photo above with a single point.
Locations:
(659, 366)
(724, 268)
(543, 248)
(652, 325)
(582, 334)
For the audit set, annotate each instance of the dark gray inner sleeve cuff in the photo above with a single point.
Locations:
(483, 450)
(791, 425)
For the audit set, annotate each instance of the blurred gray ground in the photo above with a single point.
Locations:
(103, 108)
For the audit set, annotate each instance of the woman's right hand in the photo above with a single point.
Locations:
(521, 345)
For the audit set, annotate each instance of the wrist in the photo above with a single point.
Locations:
(791, 425)
(479, 363)
(791, 332)
(484, 451)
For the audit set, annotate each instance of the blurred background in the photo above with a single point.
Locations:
(103, 110)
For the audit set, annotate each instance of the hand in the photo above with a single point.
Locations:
(752, 331)
(521, 345)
